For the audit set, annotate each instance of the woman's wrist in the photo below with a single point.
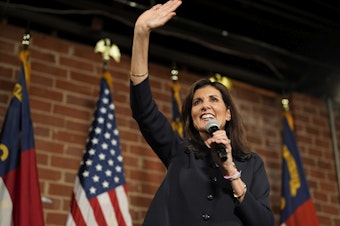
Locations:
(139, 74)
(239, 195)
(230, 169)
(234, 176)
(141, 30)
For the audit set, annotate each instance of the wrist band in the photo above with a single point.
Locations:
(139, 75)
(233, 177)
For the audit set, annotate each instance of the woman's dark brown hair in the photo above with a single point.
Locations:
(234, 127)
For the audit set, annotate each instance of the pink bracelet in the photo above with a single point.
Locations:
(233, 177)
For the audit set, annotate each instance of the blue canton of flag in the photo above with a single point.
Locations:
(100, 194)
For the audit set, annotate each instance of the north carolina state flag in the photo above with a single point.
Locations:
(297, 208)
(20, 200)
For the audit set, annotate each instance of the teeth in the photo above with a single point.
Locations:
(207, 116)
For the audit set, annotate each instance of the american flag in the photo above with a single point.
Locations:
(20, 199)
(100, 193)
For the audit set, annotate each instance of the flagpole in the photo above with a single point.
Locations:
(25, 57)
(334, 139)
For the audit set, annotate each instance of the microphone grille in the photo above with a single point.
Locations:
(212, 123)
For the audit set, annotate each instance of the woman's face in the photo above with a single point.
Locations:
(208, 104)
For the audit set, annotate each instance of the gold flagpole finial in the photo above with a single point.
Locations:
(222, 79)
(285, 104)
(107, 50)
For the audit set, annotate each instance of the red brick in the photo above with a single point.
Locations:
(63, 94)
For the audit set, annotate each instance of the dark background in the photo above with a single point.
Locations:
(282, 46)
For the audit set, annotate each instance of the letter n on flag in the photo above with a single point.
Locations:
(20, 200)
(99, 195)
(297, 208)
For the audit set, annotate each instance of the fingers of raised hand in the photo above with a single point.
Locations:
(168, 7)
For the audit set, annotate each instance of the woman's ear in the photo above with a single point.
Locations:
(228, 115)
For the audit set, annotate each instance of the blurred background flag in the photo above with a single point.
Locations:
(297, 208)
(100, 193)
(20, 199)
(177, 124)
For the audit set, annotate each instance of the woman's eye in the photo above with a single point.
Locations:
(196, 102)
(214, 99)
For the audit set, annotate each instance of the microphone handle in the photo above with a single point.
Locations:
(221, 152)
(220, 148)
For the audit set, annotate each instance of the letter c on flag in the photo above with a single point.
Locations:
(4, 154)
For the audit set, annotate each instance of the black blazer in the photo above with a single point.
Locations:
(194, 192)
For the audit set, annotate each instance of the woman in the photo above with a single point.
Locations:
(199, 188)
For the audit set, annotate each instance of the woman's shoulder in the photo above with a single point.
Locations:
(254, 163)
(253, 158)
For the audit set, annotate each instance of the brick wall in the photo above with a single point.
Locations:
(63, 93)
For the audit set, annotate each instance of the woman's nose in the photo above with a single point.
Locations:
(205, 106)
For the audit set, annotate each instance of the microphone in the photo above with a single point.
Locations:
(211, 127)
